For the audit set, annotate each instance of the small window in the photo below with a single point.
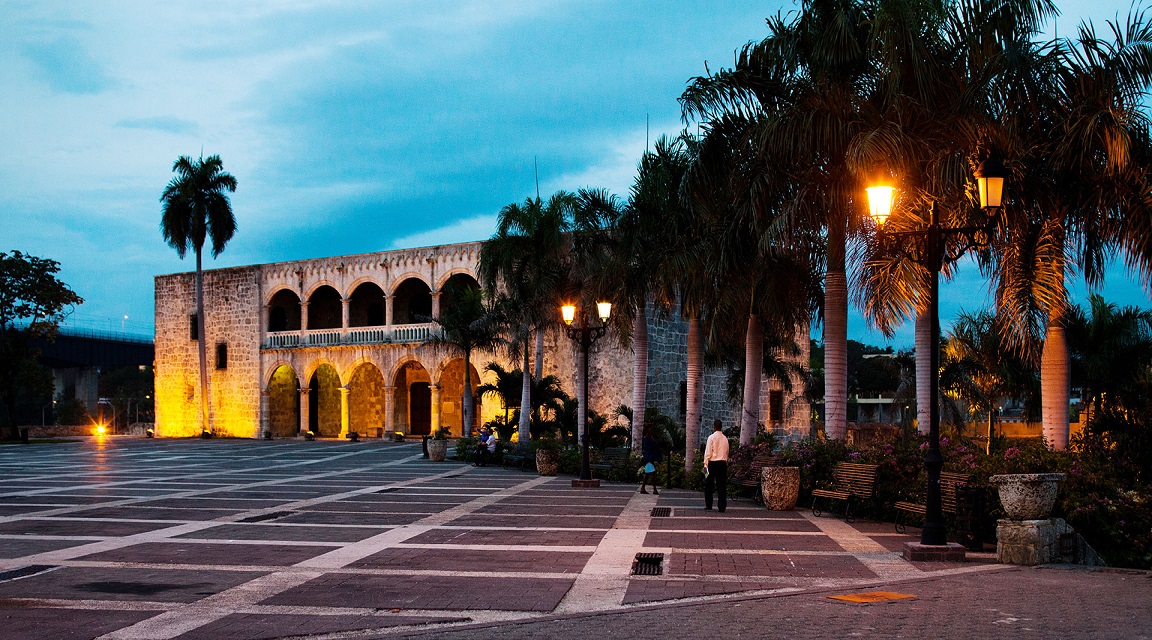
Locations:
(683, 400)
(193, 327)
(775, 406)
(222, 355)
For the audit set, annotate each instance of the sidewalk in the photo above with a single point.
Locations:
(131, 538)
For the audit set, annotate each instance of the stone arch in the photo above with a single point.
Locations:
(407, 275)
(284, 311)
(283, 401)
(366, 398)
(325, 310)
(412, 302)
(450, 377)
(412, 409)
(453, 286)
(324, 401)
(366, 305)
(457, 271)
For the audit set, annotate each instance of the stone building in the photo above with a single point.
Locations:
(339, 345)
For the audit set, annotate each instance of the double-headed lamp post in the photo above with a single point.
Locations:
(990, 181)
(585, 335)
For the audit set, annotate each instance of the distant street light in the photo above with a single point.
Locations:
(585, 335)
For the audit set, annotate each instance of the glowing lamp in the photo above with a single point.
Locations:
(568, 312)
(880, 203)
(990, 181)
(604, 309)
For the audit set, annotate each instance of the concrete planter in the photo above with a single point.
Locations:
(781, 487)
(1027, 496)
(547, 462)
(437, 450)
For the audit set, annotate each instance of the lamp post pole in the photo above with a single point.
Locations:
(585, 336)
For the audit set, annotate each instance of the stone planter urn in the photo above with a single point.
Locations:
(780, 486)
(437, 450)
(1027, 496)
(547, 462)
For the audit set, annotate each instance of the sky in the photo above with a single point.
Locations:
(350, 126)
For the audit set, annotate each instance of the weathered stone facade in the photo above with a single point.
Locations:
(334, 345)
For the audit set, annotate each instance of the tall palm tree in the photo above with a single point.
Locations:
(466, 326)
(1111, 351)
(196, 208)
(525, 259)
(507, 387)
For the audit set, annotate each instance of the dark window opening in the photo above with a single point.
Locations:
(683, 401)
(222, 355)
(775, 406)
(278, 319)
(193, 327)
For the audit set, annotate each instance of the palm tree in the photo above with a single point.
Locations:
(525, 258)
(507, 387)
(196, 208)
(1111, 354)
(466, 326)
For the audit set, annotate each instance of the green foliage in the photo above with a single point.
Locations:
(464, 448)
(71, 412)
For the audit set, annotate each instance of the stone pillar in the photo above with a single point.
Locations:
(389, 302)
(436, 304)
(304, 410)
(389, 411)
(263, 322)
(435, 389)
(344, 304)
(303, 322)
(263, 418)
(344, 411)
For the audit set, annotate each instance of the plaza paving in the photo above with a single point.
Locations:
(133, 538)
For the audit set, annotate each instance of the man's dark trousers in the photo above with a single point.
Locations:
(717, 480)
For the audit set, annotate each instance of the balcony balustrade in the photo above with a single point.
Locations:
(398, 334)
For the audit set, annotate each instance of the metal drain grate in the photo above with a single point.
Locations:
(648, 564)
(661, 512)
(266, 516)
(24, 572)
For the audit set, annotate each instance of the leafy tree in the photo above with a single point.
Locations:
(33, 303)
(1111, 349)
(196, 208)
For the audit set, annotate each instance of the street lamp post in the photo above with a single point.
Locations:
(585, 335)
(990, 177)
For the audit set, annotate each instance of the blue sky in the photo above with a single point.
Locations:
(350, 126)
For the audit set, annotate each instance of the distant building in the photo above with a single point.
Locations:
(334, 345)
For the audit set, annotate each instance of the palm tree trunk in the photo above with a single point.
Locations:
(538, 372)
(753, 376)
(835, 350)
(639, 374)
(525, 399)
(1054, 390)
(201, 321)
(923, 372)
(469, 411)
(581, 383)
(695, 384)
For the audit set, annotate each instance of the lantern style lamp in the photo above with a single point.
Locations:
(990, 175)
(880, 203)
(568, 313)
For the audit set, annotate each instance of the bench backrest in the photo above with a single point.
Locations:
(855, 478)
(763, 460)
(949, 482)
(615, 455)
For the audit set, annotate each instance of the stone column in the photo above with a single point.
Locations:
(263, 322)
(304, 410)
(344, 303)
(436, 304)
(344, 411)
(263, 418)
(389, 411)
(435, 389)
(389, 302)
(303, 322)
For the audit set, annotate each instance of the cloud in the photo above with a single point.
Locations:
(67, 67)
(166, 124)
(465, 230)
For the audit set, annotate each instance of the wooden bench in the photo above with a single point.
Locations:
(752, 479)
(519, 456)
(612, 458)
(949, 483)
(854, 481)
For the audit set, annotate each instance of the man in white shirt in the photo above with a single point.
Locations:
(716, 464)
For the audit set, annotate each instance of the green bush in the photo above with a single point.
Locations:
(464, 448)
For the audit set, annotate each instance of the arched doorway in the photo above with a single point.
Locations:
(284, 402)
(455, 286)
(366, 402)
(324, 309)
(366, 306)
(284, 311)
(413, 406)
(452, 396)
(412, 303)
(324, 402)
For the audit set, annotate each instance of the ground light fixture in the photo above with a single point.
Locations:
(931, 249)
(585, 334)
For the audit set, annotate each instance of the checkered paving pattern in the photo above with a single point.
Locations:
(132, 538)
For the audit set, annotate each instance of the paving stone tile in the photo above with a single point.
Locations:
(18, 548)
(736, 524)
(210, 553)
(655, 590)
(568, 522)
(20, 509)
(504, 536)
(251, 626)
(79, 527)
(427, 592)
(496, 560)
(54, 499)
(364, 519)
(778, 565)
(155, 513)
(779, 542)
(98, 583)
(559, 509)
(262, 531)
(23, 623)
(213, 503)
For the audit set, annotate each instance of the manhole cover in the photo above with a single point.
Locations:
(661, 512)
(648, 564)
